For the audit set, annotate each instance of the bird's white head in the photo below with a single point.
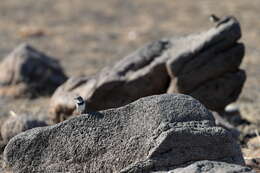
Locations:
(80, 104)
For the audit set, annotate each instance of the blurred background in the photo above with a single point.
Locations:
(87, 35)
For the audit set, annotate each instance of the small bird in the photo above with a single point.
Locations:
(213, 18)
(80, 105)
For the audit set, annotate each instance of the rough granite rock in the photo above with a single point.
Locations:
(150, 134)
(203, 65)
(19, 123)
(29, 72)
(211, 167)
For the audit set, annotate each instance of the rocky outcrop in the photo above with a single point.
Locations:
(29, 72)
(151, 134)
(204, 65)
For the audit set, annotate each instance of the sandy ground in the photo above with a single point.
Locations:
(87, 35)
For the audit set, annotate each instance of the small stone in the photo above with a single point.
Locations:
(253, 163)
(232, 108)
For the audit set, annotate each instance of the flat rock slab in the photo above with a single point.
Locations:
(203, 65)
(150, 134)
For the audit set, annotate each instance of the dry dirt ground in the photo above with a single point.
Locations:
(87, 35)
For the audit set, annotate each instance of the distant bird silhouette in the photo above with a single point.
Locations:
(80, 105)
(213, 18)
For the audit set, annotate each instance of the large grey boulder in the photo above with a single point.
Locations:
(203, 65)
(29, 72)
(150, 134)
(211, 167)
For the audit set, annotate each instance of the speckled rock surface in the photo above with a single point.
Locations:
(150, 134)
